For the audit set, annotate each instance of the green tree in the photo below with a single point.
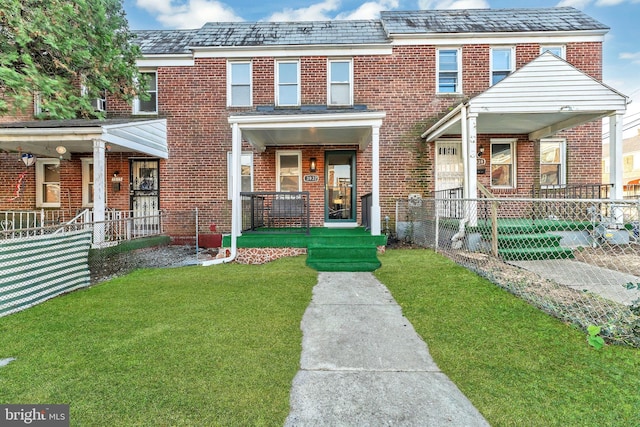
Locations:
(54, 47)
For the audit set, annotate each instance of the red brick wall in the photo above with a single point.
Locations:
(193, 100)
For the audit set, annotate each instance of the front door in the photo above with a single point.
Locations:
(145, 194)
(449, 177)
(340, 186)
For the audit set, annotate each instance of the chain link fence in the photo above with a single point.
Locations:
(576, 259)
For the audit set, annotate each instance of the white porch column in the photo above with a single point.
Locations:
(99, 202)
(615, 156)
(236, 202)
(375, 181)
(471, 125)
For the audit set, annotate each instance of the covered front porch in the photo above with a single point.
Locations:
(84, 149)
(313, 163)
(534, 103)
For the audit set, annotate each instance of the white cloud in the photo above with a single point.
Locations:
(192, 14)
(315, 12)
(370, 10)
(631, 56)
(578, 4)
(453, 4)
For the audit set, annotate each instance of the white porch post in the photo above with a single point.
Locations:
(471, 125)
(375, 181)
(99, 202)
(615, 156)
(236, 202)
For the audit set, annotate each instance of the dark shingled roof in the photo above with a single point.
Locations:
(164, 41)
(359, 32)
(223, 34)
(488, 20)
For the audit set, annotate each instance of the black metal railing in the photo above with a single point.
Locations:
(366, 202)
(275, 212)
(578, 191)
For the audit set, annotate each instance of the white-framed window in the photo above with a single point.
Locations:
(289, 170)
(246, 173)
(99, 103)
(449, 70)
(627, 163)
(288, 83)
(503, 163)
(149, 106)
(239, 78)
(340, 76)
(557, 50)
(87, 183)
(48, 183)
(553, 163)
(501, 63)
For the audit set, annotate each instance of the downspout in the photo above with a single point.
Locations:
(236, 148)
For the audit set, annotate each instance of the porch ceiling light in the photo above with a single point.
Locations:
(61, 150)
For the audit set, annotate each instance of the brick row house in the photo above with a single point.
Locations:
(347, 116)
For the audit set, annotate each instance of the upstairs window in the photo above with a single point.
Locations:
(503, 163)
(288, 83)
(48, 183)
(448, 76)
(556, 50)
(340, 78)
(239, 92)
(501, 63)
(150, 105)
(100, 102)
(552, 162)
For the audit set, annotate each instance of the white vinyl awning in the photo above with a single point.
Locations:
(122, 135)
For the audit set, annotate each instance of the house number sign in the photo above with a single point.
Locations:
(311, 178)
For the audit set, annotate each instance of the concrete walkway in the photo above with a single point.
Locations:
(363, 364)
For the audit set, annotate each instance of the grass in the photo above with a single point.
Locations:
(188, 346)
(220, 346)
(519, 366)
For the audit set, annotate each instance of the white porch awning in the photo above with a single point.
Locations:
(283, 128)
(122, 135)
(540, 99)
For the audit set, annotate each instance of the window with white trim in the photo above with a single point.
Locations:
(556, 50)
(448, 71)
(340, 76)
(288, 83)
(503, 163)
(87, 183)
(289, 170)
(48, 183)
(553, 165)
(149, 105)
(239, 77)
(246, 173)
(501, 63)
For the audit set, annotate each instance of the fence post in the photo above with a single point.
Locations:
(494, 228)
(197, 236)
(437, 209)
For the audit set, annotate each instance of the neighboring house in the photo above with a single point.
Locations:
(630, 164)
(389, 107)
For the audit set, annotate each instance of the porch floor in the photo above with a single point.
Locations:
(328, 249)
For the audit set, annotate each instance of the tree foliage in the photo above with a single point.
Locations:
(54, 47)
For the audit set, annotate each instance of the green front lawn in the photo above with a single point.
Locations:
(188, 346)
(221, 345)
(519, 366)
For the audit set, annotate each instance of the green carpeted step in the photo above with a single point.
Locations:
(342, 256)
(535, 254)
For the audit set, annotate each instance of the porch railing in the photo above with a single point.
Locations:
(119, 225)
(631, 191)
(578, 191)
(366, 202)
(454, 209)
(275, 212)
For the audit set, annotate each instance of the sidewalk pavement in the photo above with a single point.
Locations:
(363, 364)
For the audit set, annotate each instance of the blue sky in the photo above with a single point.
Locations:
(621, 47)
